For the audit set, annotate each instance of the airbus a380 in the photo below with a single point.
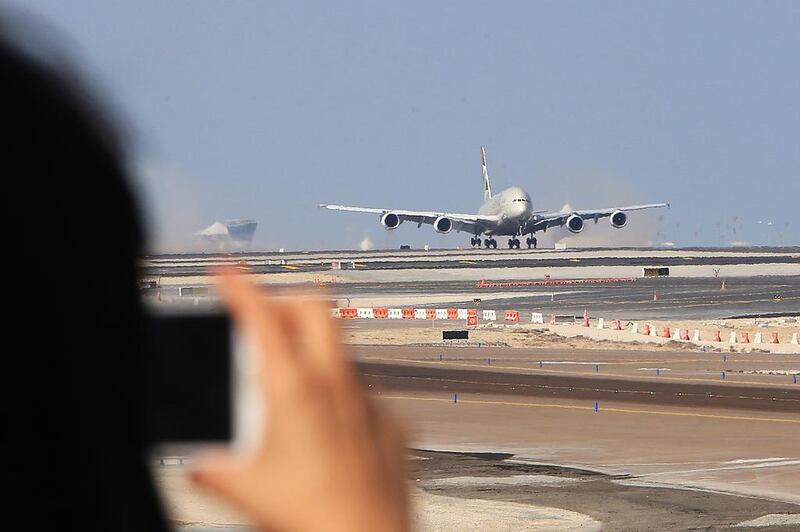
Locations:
(508, 213)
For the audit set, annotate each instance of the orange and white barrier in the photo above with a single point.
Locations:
(600, 323)
(335, 313)
(732, 337)
(696, 335)
(490, 315)
(462, 313)
(794, 340)
(441, 313)
(365, 313)
(395, 314)
(512, 316)
(380, 313)
(348, 313)
(635, 328)
(421, 313)
(430, 313)
(757, 338)
(537, 317)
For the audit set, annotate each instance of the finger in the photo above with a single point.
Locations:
(322, 346)
(225, 475)
(261, 321)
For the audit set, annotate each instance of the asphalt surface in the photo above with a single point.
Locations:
(597, 388)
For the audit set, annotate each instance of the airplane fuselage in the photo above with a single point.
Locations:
(513, 206)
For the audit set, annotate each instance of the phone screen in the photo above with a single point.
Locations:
(190, 379)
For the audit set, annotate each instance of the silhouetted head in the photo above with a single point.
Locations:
(73, 337)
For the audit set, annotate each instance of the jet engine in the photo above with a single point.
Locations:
(618, 219)
(390, 220)
(443, 224)
(575, 223)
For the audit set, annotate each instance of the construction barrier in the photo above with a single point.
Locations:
(472, 321)
(452, 314)
(348, 313)
(407, 313)
(512, 316)
(365, 313)
(635, 328)
(421, 313)
(794, 340)
(665, 333)
(441, 313)
(430, 313)
(775, 338)
(472, 312)
(676, 334)
(395, 314)
(537, 317)
(600, 323)
(380, 313)
(653, 331)
(744, 338)
(335, 313)
(757, 338)
(646, 329)
(617, 325)
(732, 338)
(685, 334)
(717, 337)
(696, 336)
(489, 315)
(462, 313)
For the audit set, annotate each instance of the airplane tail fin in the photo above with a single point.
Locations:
(487, 189)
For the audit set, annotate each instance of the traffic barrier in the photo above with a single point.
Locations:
(365, 313)
(537, 317)
(585, 317)
(452, 314)
(380, 313)
(757, 338)
(653, 331)
(744, 337)
(430, 313)
(490, 315)
(717, 337)
(676, 334)
(635, 328)
(462, 313)
(600, 323)
(665, 333)
(395, 314)
(472, 312)
(512, 316)
(794, 340)
(408, 313)
(472, 321)
(348, 313)
(646, 329)
(775, 338)
(685, 334)
(421, 313)
(722, 287)
(441, 313)
(335, 313)
(696, 335)
(732, 337)
(552, 319)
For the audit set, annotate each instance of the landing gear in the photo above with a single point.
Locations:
(490, 243)
(513, 243)
(531, 241)
(475, 241)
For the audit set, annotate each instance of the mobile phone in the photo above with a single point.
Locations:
(200, 381)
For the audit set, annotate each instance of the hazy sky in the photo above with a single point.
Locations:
(263, 109)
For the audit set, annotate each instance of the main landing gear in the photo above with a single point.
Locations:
(489, 242)
(531, 241)
(513, 243)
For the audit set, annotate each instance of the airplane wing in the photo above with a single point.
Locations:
(473, 223)
(544, 221)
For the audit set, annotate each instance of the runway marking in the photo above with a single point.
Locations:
(290, 267)
(591, 408)
(536, 371)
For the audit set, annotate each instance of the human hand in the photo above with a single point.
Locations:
(329, 458)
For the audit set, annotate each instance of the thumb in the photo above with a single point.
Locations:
(223, 474)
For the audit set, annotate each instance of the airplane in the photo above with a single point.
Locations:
(508, 213)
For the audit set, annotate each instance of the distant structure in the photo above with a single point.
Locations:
(230, 234)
